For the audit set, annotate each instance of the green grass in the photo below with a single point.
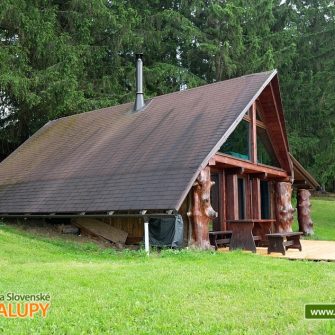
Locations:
(323, 216)
(96, 291)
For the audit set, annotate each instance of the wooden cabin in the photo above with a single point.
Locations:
(217, 156)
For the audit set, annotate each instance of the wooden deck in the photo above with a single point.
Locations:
(311, 250)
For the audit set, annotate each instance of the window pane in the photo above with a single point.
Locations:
(265, 152)
(265, 200)
(237, 144)
(241, 198)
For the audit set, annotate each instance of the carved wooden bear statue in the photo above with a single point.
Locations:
(284, 209)
(304, 212)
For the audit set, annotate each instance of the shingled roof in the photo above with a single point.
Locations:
(113, 159)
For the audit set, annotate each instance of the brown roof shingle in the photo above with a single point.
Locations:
(113, 159)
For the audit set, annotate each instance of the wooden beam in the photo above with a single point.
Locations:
(258, 123)
(237, 170)
(211, 162)
(286, 164)
(260, 175)
(228, 162)
(277, 114)
(271, 113)
(302, 187)
(300, 182)
(253, 135)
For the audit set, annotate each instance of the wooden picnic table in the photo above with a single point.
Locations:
(242, 236)
(280, 242)
(220, 238)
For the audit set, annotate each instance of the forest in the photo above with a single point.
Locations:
(61, 57)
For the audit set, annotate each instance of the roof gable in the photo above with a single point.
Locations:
(273, 118)
(112, 159)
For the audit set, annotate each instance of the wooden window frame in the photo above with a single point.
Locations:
(245, 195)
(251, 118)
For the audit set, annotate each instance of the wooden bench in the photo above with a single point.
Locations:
(220, 238)
(280, 242)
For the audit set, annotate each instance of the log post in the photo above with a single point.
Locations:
(201, 212)
(284, 209)
(304, 212)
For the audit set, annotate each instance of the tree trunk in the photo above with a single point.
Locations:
(304, 212)
(201, 212)
(284, 209)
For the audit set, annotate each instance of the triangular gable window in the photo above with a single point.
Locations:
(265, 152)
(237, 144)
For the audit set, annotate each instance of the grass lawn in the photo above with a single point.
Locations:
(101, 291)
(323, 216)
